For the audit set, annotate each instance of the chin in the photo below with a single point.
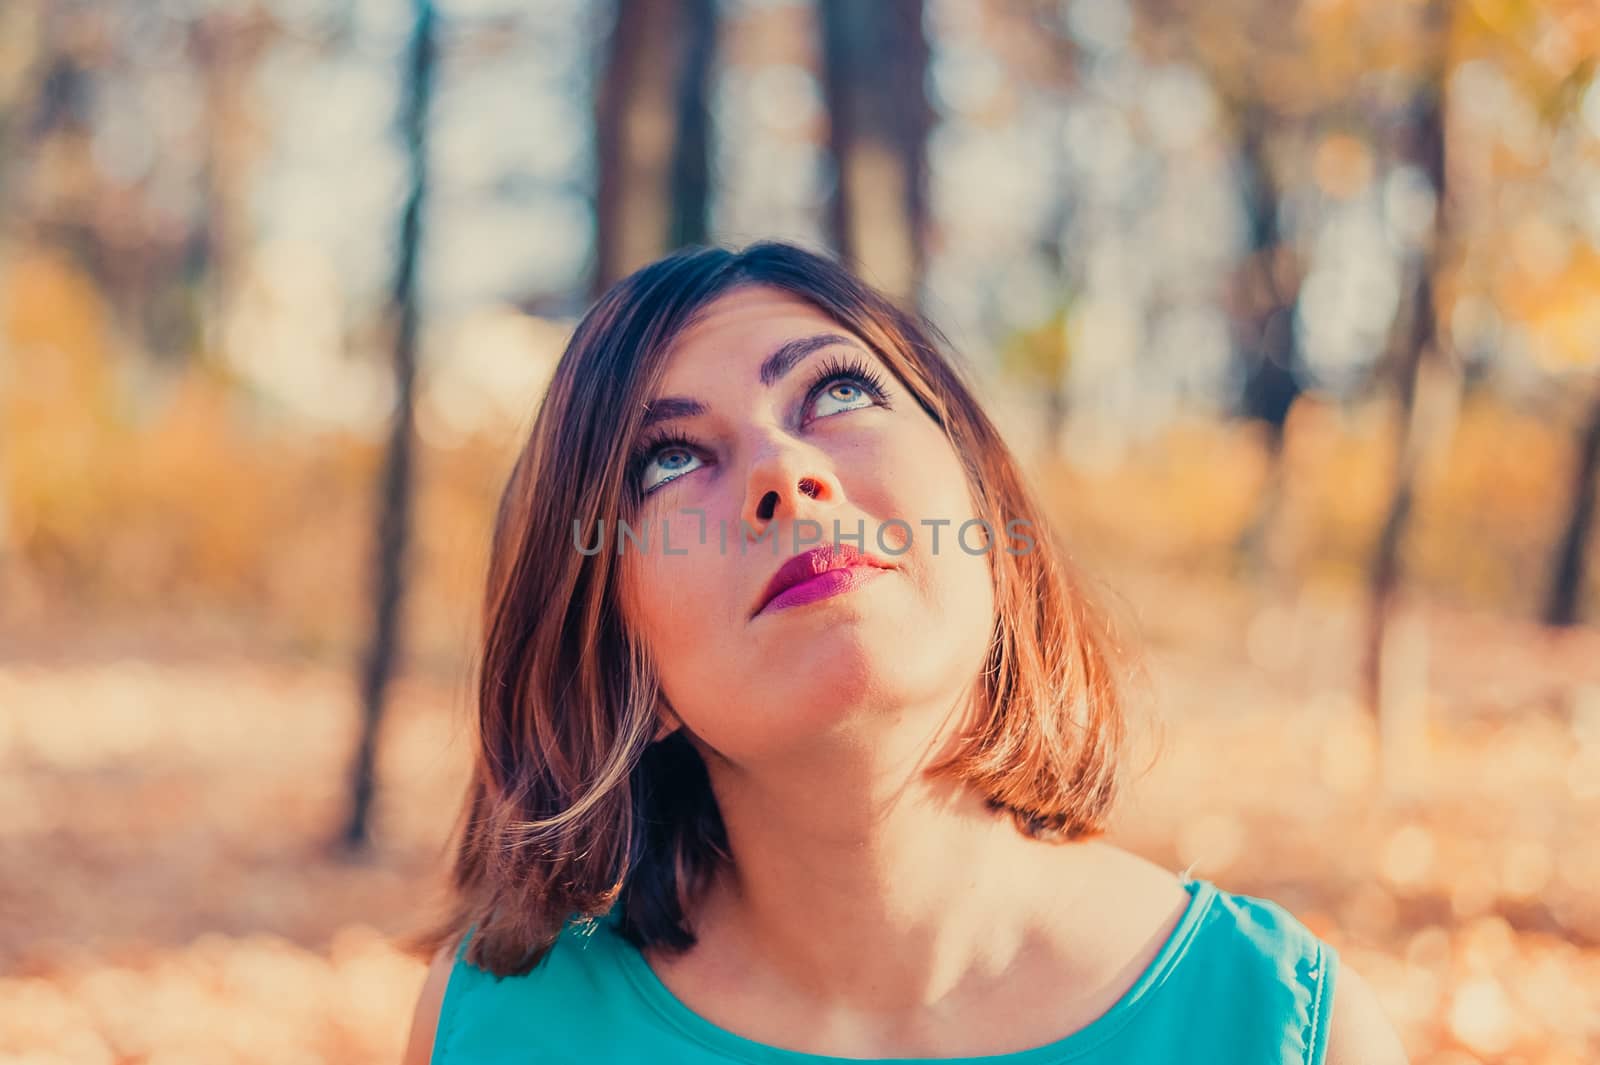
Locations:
(862, 668)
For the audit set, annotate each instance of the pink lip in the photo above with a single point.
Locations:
(818, 574)
(822, 586)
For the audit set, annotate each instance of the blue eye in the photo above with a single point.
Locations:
(664, 459)
(847, 393)
(847, 383)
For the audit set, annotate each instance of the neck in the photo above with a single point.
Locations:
(858, 883)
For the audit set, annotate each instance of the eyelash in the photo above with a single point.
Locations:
(833, 367)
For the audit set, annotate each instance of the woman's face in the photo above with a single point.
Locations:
(776, 454)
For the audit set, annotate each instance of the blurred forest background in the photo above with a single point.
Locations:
(1292, 307)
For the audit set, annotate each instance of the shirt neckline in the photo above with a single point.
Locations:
(739, 1048)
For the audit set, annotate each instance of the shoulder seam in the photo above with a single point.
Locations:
(1316, 1049)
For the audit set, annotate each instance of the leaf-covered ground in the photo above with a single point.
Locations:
(167, 895)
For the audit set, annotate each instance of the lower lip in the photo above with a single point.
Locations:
(822, 586)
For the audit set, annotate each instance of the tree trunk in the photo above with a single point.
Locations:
(1266, 312)
(1418, 343)
(396, 484)
(692, 147)
(1570, 573)
(653, 134)
(875, 62)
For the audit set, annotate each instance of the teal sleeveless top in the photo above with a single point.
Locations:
(1239, 981)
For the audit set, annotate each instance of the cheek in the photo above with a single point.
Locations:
(936, 490)
(930, 482)
(676, 603)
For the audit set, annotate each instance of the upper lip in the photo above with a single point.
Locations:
(810, 563)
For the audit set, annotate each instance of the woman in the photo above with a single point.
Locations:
(797, 732)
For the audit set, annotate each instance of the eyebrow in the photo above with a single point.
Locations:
(773, 368)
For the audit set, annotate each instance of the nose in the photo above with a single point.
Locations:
(780, 478)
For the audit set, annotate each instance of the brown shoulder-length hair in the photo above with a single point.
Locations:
(571, 809)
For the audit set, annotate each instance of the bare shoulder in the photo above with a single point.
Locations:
(1133, 885)
(1359, 1032)
(425, 1019)
(1122, 908)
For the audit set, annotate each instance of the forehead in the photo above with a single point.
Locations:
(743, 326)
